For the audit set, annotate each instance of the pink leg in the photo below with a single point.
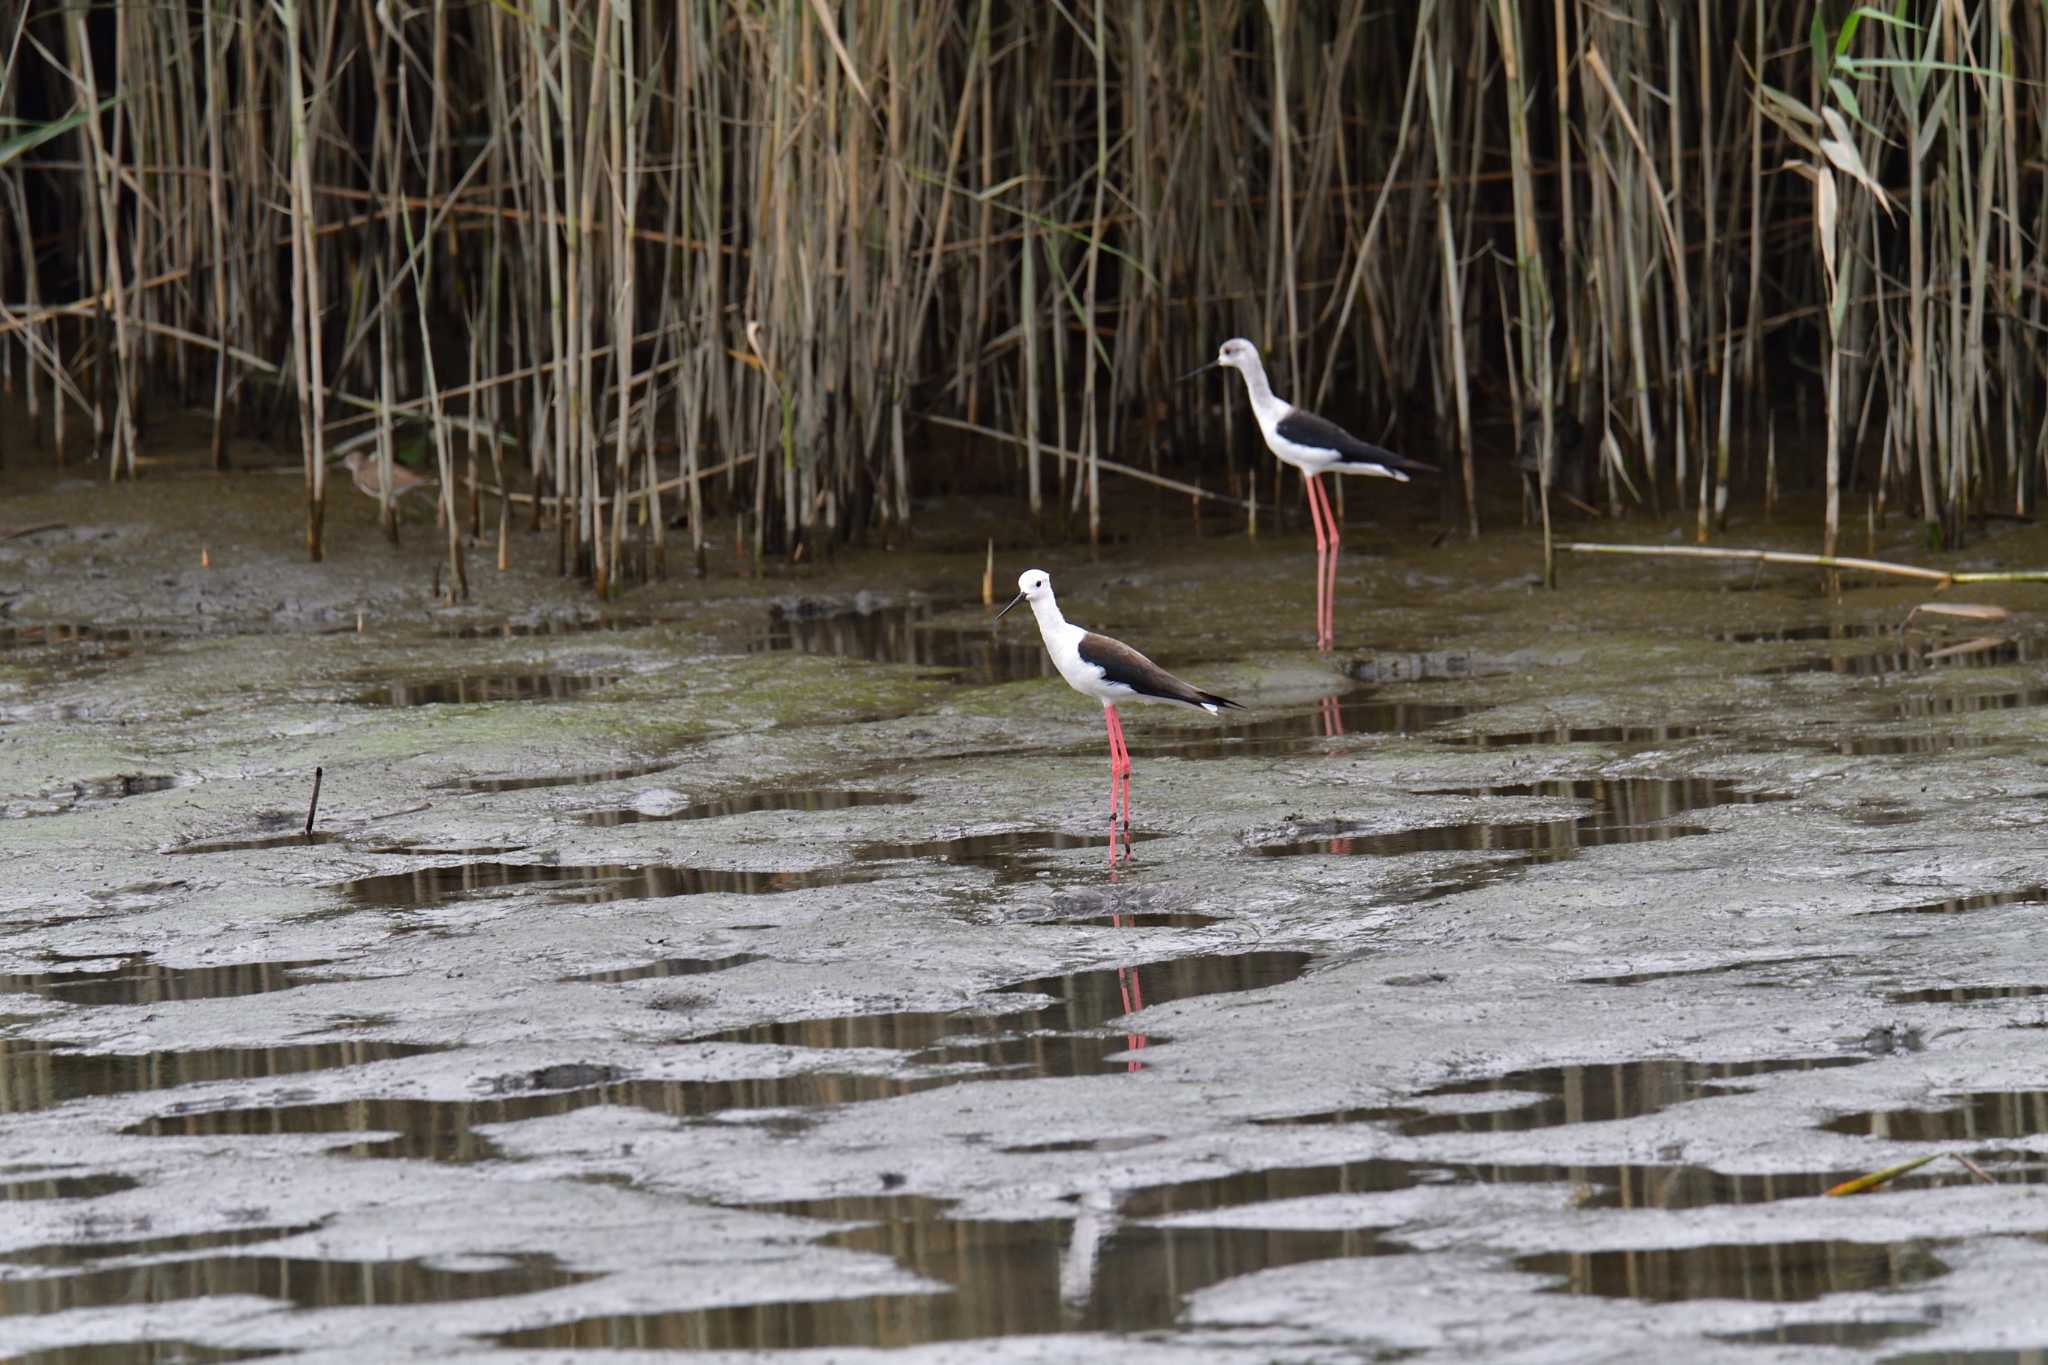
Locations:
(1326, 625)
(1315, 512)
(1119, 780)
(1123, 766)
(1123, 748)
(1336, 547)
(1326, 538)
(1109, 724)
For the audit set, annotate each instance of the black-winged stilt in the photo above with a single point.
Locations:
(1311, 444)
(1109, 671)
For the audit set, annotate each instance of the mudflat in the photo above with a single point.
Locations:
(733, 965)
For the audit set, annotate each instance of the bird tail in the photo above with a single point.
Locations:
(1215, 705)
(1385, 465)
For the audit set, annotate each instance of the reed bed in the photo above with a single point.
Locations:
(621, 269)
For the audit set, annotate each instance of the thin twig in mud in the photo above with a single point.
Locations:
(1973, 1168)
(313, 806)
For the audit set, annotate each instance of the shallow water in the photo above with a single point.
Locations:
(577, 779)
(750, 803)
(1063, 1038)
(1011, 1277)
(1546, 1097)
(68, 1187)
(893, 633)
(300, 1281)
(139, 981)
(587, 883)
(1966, 1118)
(668, 966)
(1626, 811)
(485, 687)
(449, 1130)
(1776, 1272)
(38, 1075)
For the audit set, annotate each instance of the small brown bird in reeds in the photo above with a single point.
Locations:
(362, 468)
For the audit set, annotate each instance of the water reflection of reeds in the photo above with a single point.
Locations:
(590, 883)
(1774, 1272)
(447, 1130)
(1657, 1186)
(1625, 810)
(140, 980)
(298, 1280)
(904, 635)
(36, 1075)
(1553, 1096)
(1062, 1037)
(1021, 1277)
(1977, 1116)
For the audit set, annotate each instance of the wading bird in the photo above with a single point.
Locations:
(1311, 444)
(362, 468)
(1109, 671)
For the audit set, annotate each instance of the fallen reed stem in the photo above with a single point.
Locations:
(604, 500)
(1081, 461)
(1836, 562)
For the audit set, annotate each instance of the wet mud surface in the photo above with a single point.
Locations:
(737, 967)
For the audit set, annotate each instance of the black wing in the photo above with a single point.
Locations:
(1307, 429)
(1122, 664)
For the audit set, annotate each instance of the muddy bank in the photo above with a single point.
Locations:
(733, 965)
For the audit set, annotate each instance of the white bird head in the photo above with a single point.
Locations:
(1237, 353)
(1033, 585)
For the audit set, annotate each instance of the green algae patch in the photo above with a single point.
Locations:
(55, 764)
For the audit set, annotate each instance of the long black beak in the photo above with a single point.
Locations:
(1006, 610)
(1199, 369)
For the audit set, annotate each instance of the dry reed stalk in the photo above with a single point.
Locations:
(307, 351)
(1091, 435)
(622, 180)
(109, 246)
(213, 46)
(1536, 324)
(1435, 72)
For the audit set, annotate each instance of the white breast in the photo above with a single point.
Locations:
(1063, 642)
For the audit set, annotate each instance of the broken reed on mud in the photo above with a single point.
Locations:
(590, 250)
